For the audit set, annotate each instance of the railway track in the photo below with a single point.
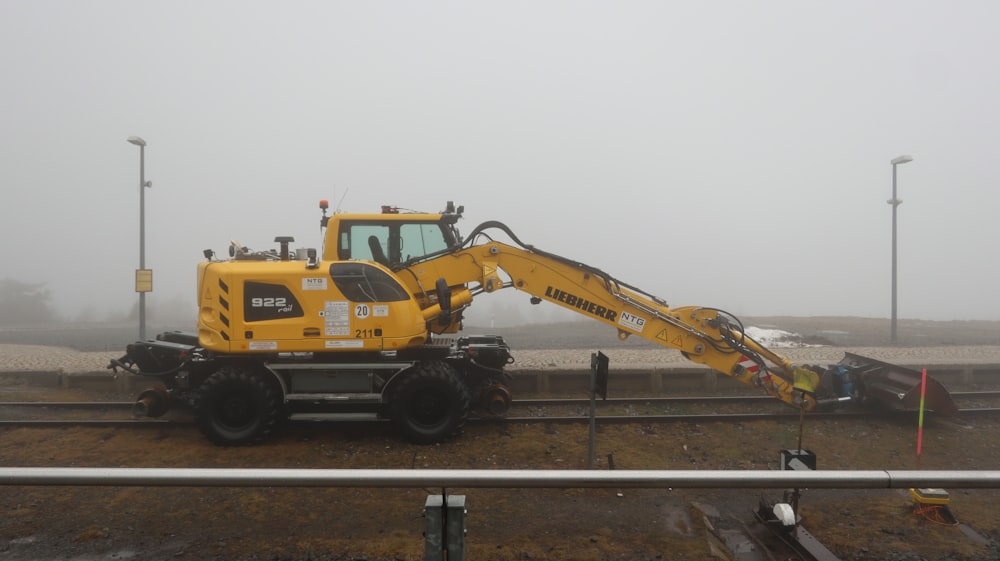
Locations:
(517, 402)
(548, 410)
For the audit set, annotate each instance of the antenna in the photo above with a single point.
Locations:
(323, 205)
(336, 209)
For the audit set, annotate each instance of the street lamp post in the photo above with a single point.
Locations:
(895, 202)
(143, 184)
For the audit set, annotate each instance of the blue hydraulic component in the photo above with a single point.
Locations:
(841, 380)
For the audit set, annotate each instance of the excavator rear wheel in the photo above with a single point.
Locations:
(235, 407)
(429, 403)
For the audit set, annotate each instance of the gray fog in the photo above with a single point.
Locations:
(724, 153)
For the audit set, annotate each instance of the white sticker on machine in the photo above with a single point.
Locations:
(345, 344)
(314, 283)
(632, 321)
(263, 345)
(337, 318)
(380, 310)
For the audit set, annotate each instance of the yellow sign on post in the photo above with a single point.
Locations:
(143, 280)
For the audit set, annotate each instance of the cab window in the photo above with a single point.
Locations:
(390, 242)
(418, 240)
(356, 241)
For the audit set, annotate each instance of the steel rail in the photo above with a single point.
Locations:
(630, 400)
(567, 419)
(692, 399)
(67, 404)
(528, 402)
(499, 479)
(702, 417)
(699, 417)
(91, 422)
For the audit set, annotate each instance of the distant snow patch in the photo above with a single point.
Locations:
(776, 338)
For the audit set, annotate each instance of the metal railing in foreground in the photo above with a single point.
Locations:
(445, 515)
(497, 479)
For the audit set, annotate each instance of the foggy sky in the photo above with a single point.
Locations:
(727, 154)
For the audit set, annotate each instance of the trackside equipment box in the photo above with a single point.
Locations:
(798, 460)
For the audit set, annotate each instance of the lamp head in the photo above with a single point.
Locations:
(137, 141)
(901, 160)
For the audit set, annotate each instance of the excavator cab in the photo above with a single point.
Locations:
(396, 239)
(393, 237)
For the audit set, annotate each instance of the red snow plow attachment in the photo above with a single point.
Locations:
(871, 380)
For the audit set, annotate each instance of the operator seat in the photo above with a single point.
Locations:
(377, 254)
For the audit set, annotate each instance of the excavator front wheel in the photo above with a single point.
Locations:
(236, 407)
(429, 403)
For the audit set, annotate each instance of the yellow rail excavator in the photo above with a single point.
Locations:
(368, 327)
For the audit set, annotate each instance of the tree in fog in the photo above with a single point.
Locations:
(24, 303)
(173, 312)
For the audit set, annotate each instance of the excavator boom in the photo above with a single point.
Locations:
(704, 335)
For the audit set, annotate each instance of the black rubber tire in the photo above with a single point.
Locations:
(236, 407)
(429, 403)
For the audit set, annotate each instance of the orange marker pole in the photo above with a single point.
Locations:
(920, 422)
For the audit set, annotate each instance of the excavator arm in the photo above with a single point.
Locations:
(703, 335)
